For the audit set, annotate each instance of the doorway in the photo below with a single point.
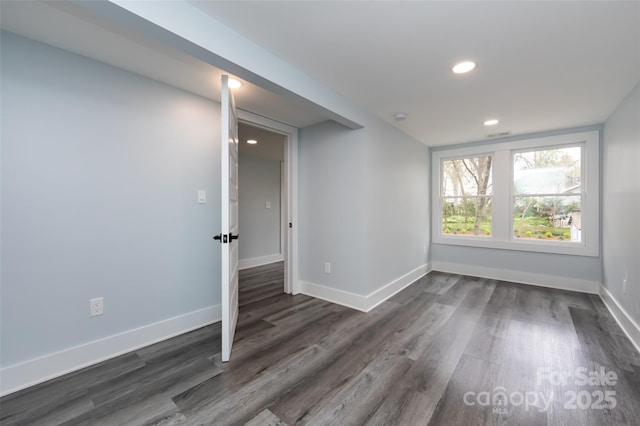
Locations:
(270, 234)
(260, 214)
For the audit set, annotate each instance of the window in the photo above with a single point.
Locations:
(546, 194)
(538, 194)
(466, 196)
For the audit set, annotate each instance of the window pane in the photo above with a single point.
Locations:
(551, 171)
(466, 216)
(466, 176)
(548, 218)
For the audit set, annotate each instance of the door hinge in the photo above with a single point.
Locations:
(290, 225)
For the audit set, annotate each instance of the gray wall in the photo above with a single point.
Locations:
(100, 169)
(258, 182)
(332, 206)
(397, 203)
(621, 204)
(557, 265)
(363, 205)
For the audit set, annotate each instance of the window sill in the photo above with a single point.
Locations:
(567, 248)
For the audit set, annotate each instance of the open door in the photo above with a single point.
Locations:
(229, 230)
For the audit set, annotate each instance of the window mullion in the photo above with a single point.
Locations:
(502, 216)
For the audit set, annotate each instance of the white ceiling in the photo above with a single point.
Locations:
(541, 65)
(270, 145)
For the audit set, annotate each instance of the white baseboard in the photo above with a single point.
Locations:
(395, 286)
(542, 280)
(358, 301)
(259, 261)
(624, 320)
(25, 374)
(333, 295)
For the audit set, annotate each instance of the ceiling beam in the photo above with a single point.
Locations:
(187, 29)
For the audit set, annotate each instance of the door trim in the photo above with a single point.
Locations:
(290, 249)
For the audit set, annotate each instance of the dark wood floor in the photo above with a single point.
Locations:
(448, 350)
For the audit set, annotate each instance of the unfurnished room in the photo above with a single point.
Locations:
(319, 212)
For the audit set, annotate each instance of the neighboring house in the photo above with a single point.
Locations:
(545, 180)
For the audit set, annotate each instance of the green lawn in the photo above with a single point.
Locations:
(532, 227)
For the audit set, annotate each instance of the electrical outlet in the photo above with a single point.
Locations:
(96, 306)
(327, 268)
(624, 283)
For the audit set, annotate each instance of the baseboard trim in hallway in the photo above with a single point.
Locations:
(361, 302)
(259, 261)
(25, 374)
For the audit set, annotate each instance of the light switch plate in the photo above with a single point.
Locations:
(202, 196)
(267, 204)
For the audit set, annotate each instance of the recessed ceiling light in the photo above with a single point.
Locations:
(234, 84)
(399, 116)
(252, 141)
(463, 67)
(491, 122)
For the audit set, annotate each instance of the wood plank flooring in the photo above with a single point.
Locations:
(448, 350)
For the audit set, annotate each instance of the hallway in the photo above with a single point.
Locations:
(261, 282)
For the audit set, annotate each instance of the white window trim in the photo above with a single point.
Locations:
(501, 206)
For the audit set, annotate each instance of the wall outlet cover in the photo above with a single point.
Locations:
(96, 306)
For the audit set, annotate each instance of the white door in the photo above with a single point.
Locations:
(229, 231)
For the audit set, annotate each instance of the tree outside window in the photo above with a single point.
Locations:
(466, 196)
